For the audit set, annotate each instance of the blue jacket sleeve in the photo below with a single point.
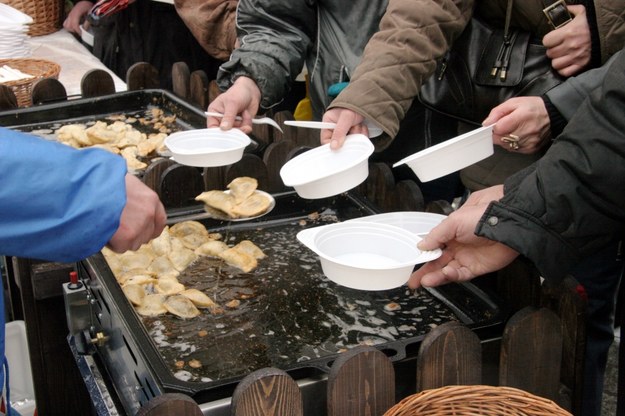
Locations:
(57, 203)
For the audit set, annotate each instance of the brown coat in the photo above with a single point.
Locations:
(399, 57)
(212, 22)
(396, 61)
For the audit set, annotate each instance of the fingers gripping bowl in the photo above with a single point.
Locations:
(366, 256)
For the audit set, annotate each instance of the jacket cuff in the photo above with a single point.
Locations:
(551, 254)
(595, 39)
(557, 122)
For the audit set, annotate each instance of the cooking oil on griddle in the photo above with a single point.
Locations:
(288, 313)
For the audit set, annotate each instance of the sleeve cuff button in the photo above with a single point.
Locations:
(492, 221)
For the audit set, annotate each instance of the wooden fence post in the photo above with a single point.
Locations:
(531, 352)
(267, 392)
(361, 382)
(449, 354)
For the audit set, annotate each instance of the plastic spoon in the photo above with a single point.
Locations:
(374, 131)
(261, 120)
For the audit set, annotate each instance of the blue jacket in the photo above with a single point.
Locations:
(57, 203)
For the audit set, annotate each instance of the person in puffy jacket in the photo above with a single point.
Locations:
(277, 38)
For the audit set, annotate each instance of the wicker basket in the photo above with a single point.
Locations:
(475, 400)
(47, 14)
(38, 68)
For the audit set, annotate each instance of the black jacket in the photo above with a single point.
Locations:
(572, 201)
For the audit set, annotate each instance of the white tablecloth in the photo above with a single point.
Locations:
(73, 57)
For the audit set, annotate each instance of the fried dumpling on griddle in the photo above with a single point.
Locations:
(163, 268)
(181, 306)
(219, 200)
(153, 305)
(135, 260)
(250, 248)
(189, 227)
(130, 154)
(239, 259)
(168, 286)
(161, 245)
(193, 241)
(242, 188)
(113, 260)
(200, 299)
(211, 248)
(252, 206)
(74, 135)
(122, 278)
(135, 293)
(180, 256)
(137, 279)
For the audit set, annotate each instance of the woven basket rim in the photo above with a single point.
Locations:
(475, 399)
(46, 14)
(38, 68)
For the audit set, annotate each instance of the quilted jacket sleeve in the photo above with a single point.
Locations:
(57, 203)
(289, 28)
(572, 203)
(413, 35)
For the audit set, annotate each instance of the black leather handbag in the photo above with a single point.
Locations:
(485, 67)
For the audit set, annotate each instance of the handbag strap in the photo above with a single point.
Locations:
(506, 28)
(503, 56)
(556, 12)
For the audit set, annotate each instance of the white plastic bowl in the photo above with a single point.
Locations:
(322, 172)
(207, 147)
(366, 256)
(451, 155)
(418, 223)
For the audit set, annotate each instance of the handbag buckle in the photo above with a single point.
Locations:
(557, 14)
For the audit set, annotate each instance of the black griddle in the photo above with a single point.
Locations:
(290, 316)
(47, 116)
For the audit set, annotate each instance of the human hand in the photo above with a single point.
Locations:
(465, 255)
(143, 218)
(523, 117)
(347, 122)
(569, 46)
(484, 196)
(76, 15)
(242, 98)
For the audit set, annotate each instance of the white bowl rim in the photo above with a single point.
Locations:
(351, 139)
(421, 257)
(442, 145)
(232, 135)
(384, 217)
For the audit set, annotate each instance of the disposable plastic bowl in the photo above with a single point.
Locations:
(451, 155)
(419, 223)
(322, 172)
(366, 256)
(207, 147)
